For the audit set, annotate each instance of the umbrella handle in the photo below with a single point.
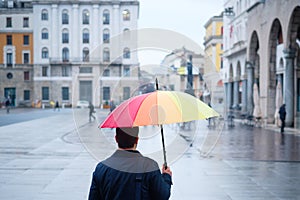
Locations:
(162, 135)
(165, 166)
(164, 148)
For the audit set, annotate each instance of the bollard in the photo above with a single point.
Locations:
(43, 106)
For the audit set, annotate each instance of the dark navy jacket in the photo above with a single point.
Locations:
(117, 177)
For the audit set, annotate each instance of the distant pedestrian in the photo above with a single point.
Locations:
(210, 120)
(282, 114)
(112, 105)
(7, 105)
(56, 106)
(91, 112)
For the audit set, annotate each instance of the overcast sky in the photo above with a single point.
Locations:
(185, 17)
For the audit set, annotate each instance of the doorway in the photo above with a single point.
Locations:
(85, 90)
(11, 94)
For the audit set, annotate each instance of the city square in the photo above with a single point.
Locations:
(214, 87)
(48, 158)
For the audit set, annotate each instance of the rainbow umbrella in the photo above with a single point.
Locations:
(158, 108)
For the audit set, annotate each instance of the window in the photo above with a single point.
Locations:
(25, 22)
(106, 55)
(106, 17)
(26, 40)
(65, 36)
(65, 93)
(106, 36)
(45, 71)
(9, 40)
(65, 54)
(85, 70)
(65, 17)
(106, 93)
(126, 93)
(9, 59)
(65, 71)
(126, 71)
(85, 55)
(26, 95)
(44, 15)
(85, 36)
(45, 53)
(221, 65)
(26, 76)
(45, 93)
(85, 17)
(126, 53)
(106, 72)
(8, 22)
(45, 35)
(25, 58)
(126, 15)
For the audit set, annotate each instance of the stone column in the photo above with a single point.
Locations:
(280, 79)
(116, 50)
(244, 96)
(75, 33)
(250, 82)
(55, 53)
(226, 96)
(289, 55)
(236, 93)
(229, 99)
(95, 35)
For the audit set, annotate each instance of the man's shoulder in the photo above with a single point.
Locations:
(129, 162)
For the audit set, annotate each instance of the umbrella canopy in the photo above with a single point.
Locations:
(157, 108)
(257, 110)
(278, 103)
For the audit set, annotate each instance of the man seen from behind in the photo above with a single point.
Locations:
(128, 175)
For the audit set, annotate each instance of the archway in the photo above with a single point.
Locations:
(237, 87)
(275, 50)
(252, 70)
(292, 60)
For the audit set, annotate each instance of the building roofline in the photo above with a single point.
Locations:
(214, 18)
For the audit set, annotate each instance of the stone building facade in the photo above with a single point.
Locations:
(16, 52)
(261, 46)
(213, 44)
(74, 50)
(84, 50)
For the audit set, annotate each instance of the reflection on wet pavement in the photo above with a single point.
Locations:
(257, 144)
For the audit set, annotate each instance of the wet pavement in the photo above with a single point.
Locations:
(52, 156)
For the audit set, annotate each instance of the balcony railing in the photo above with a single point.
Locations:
(82, 60)
(61, 60)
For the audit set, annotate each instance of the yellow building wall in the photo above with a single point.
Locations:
(219, 50)
(219, 53)
(218, 28)
(208, 31)
(2, 44)
(17, 41)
